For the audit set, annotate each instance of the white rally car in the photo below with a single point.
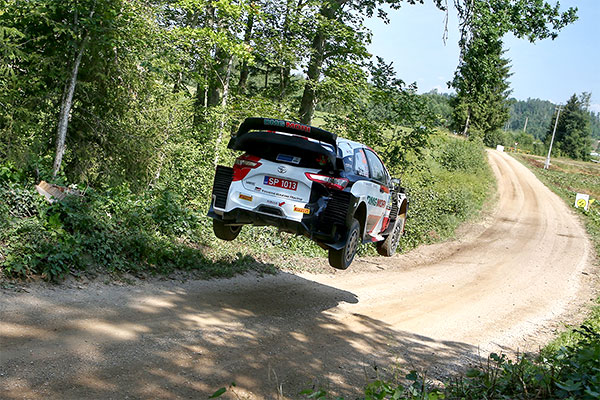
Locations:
(308, 181)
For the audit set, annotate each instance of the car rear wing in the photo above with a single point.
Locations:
(268, 124)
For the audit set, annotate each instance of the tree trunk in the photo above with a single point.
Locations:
(466, 130)
(218, 77)
(266, 77)
(291, 14)
(309, 97)
(223, 105)
(65, 111)
(245, 71)
(202, 87)
(284, 80)
(199, 104)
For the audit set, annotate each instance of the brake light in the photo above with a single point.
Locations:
(243, 164)
(248, 161)
(328, 181)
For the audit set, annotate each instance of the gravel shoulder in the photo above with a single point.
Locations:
(503, 285)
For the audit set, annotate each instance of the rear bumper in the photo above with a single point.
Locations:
(311, 227)
(240, 216)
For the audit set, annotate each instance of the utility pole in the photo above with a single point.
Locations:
(547, 163)
(525, 127)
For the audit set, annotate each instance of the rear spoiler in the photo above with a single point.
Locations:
(257, 124)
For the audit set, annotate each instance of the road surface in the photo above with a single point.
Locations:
(438, 307)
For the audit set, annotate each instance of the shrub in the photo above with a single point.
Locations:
(461, 155)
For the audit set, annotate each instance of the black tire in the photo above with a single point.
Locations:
(388, 247)
(342, 258)
(225, 232)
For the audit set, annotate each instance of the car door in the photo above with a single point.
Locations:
(378, 199)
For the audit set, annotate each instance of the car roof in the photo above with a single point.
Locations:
(350, 143)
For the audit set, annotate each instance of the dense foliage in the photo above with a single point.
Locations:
(537, 113)
(116, 230)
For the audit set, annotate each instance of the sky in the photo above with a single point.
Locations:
(547, 69)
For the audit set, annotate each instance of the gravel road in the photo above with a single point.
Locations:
(498, 287)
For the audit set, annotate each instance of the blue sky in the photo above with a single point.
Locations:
(549, 70)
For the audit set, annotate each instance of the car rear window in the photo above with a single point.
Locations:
(290, 149)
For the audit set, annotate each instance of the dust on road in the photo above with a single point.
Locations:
(438, 307)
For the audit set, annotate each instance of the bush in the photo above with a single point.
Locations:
(461, 155)
(448, 186)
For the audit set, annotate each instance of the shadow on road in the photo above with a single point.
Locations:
(170, 340)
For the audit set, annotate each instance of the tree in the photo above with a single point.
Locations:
(386, 114)
(339, 40)
(573, 134)
(481, 79)
(482, 87)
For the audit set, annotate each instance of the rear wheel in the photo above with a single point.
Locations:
(225, 232)
(342, 258)
(388, 247)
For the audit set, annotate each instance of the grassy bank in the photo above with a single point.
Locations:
(115, 230)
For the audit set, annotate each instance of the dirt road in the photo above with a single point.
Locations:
(522, 268)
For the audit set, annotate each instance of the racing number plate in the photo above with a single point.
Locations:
(280, 182)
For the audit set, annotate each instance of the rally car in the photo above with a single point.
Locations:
(308, 181)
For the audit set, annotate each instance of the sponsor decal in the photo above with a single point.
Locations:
(290, 159)
(302, 210)
(374, 201)
(276, 203)
(280, 123)
(298, 127)
(282, 195)
(251, 183)
(245, 197)
(274, 122)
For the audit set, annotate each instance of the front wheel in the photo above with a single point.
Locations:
(225, 232)
(342, 258)
(388, 247)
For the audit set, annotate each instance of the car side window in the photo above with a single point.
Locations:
(361, 167)
(377, 169)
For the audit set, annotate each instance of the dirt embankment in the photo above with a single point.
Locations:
(497, 287)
